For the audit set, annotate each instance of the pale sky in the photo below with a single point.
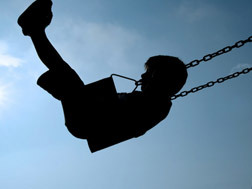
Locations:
(204, 143)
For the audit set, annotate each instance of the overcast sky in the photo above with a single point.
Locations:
(204, 143)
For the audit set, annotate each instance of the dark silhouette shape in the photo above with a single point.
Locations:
(96, 112)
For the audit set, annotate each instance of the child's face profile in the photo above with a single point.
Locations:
(151, 81)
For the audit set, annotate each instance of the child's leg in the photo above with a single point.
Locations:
(46, 52)
(33, 21)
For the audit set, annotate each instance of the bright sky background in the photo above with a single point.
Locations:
(204, 143)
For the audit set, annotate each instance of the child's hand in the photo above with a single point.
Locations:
(36, 17)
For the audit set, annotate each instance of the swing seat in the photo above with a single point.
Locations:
(111, 128)
(97, 118)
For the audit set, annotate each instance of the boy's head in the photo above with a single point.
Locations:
(164, 74)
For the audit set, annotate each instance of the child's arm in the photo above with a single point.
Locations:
(33, 22)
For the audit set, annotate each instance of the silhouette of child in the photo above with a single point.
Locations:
(96, 112)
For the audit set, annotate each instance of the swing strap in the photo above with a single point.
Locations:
(211, 83)
(227, 49)
(137, 83)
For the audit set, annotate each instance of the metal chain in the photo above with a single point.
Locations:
(227, 49)
(206, 58)
(212, 83)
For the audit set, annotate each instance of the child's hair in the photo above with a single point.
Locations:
(173, 71)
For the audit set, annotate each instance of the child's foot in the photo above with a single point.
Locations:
(36, 17)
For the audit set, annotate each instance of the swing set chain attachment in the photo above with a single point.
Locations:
(211, 83)
(227, 49)
(137, 83)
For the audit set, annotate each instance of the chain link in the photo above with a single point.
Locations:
(227, 49)
(211, 83)
(208, 57)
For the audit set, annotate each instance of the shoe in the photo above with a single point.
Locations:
(36, 17)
